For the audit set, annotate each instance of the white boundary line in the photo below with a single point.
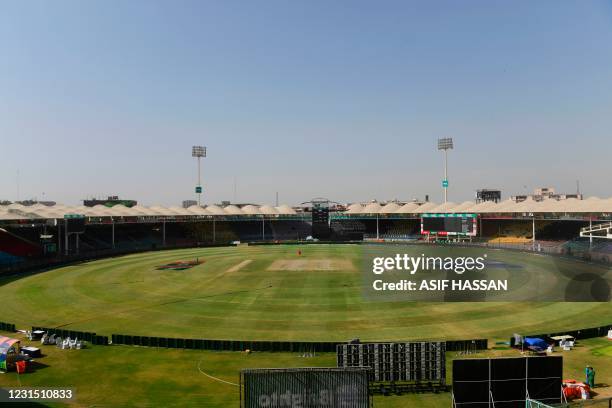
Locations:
(215, 378)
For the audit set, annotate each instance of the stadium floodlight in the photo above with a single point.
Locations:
(445, 144)
(198, 152)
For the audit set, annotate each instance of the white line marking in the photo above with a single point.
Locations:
(215, 378)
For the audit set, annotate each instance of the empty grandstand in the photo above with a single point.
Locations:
(34, 231)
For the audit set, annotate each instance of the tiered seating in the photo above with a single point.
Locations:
(348, 229)
(402, 230)
(519, 232)
(510, 240)
(290, 230)
(347, 226)
(15, 245)
(560, 230)
(9, 260)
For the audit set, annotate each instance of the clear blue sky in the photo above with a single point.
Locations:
(341, 99)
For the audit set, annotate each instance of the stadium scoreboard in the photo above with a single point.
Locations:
(449, 224)
(392, 362)
(320, 219)
(75, 223)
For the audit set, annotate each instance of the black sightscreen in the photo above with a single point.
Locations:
(544, 378)
(390, 362)
(471, 381)
(508, 385)
(506, 382)
(305, 387)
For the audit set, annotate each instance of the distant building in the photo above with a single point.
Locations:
(225, 203)
(486, 194)
(566, 196)
(34, 201)
(29, 202)
(109, 202)
(189, 203)
(545, 193)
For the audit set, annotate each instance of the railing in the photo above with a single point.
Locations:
(268, 346)
(605, 227)
(596, 227)
(7, 327)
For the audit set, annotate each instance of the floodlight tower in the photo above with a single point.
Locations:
(445, 144)
(198, 152)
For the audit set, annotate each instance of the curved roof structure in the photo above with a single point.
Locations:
(427, 207)
(372, 208)
(443, 208)
(232, 210)
(592, 205)
(215, 210)
(285, 210)
(389, 208)
(407, 208)
(355, 208)
(197, 210)
(250, 209)
(266, 209)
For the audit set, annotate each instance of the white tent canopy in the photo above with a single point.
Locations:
(592, 205)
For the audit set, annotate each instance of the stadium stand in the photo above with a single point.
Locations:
(289, 230)
(560, 230)
(513, 231)
(394, 229)
(348, 228)
(119, 228)
(9, 260)
(19, 245)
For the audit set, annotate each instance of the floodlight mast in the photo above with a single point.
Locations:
(445, 144)
(198, 152)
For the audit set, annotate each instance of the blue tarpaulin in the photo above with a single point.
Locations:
(535, 343)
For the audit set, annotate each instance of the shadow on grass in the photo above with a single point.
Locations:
(34, 366)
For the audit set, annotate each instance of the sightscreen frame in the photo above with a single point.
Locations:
(311, 387)
(415, 362)
(506, 382)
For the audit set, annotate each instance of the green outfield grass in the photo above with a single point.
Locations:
(126, 376)
(250, 293)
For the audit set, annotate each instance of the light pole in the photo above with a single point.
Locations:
(198, 152)
(445, 144)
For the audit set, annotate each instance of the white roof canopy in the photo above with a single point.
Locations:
(593, 205)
